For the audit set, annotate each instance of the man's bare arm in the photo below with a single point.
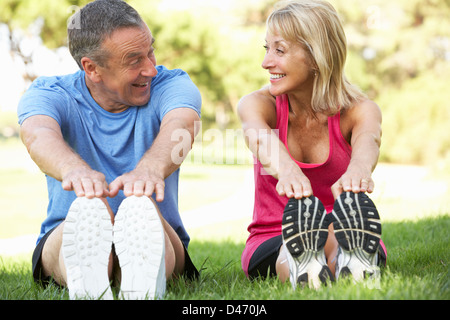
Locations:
(44, 141)
(160, 160)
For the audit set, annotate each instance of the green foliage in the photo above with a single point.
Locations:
(406, 72)
(23, 13)
(221, 59)
(398, 52)
(417, 120)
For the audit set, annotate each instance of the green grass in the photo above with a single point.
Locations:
(418, 269)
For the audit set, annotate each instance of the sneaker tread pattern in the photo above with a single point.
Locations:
(356, 222)
(304, 225)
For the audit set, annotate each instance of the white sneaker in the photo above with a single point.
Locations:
(86, 248)
(305, 231)
(140, 245)
(358, 264)
(357, 228)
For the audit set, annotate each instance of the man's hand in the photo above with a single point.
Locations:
(85, 182)
(44, 141)
(139, 182)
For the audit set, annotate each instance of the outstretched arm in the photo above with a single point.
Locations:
(365, 120)
(257, 112)
(44, 141)
(162, 159)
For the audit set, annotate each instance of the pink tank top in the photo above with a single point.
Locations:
(269, 206)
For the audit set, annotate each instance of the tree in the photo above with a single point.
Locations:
(398, 52)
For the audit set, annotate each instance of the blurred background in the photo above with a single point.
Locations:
(398, 53)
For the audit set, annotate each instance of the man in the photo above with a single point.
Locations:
(102, 136)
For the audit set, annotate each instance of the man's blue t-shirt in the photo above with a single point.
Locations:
(111, 143)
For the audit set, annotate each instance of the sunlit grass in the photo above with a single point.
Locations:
(418, 269)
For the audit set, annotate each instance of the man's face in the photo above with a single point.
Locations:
(128, 72)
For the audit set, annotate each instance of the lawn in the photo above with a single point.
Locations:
(417, 241)
(417, 270)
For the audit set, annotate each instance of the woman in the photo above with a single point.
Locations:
(316, 141)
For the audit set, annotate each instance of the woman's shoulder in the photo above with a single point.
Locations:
(261, 96)
(362, 108)
(259, 104)
(362, 112)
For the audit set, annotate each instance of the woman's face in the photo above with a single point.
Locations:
(289, 66)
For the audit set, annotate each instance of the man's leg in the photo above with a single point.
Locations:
(175, 258)
(148, 249)
(53, 264)
(86, 249)
(52, 259)
(80, 247)
(174, 253)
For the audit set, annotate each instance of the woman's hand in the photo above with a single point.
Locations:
(356, 179)
(292, 183)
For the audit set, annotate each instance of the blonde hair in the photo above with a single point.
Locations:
(315, 24)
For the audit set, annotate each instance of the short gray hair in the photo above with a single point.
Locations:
(90, 26)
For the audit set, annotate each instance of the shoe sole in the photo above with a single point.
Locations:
(140, 245)
(305, 232)
(86, 247)
(357, 228)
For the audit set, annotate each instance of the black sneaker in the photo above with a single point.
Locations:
(357, 228)
(305, 231)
